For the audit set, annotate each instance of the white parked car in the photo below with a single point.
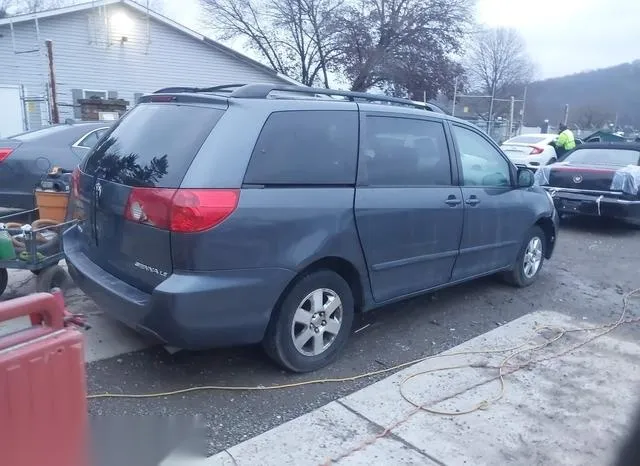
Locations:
(531, 150)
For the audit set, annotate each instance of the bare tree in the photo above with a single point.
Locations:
(4, 8)
(294, 36)
(497, 60)
(34, 6)
(402, 46)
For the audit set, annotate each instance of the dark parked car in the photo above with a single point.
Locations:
(26, 158)
(270, 214)
(596, 179)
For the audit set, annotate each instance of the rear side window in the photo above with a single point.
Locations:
(525, 140)
(404, 152)
(309, 147)
(153, 145)
(92, 138)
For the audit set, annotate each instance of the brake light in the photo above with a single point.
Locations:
(201, 209)
(536, 150)
(4, 153)
(181, 210)
(75, 183)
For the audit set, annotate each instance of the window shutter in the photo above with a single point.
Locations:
(76, 94)
(112, 94)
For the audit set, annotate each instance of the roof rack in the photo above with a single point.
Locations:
(262, 91)
(195, 90)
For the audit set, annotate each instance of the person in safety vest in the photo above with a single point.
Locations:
(565, 141)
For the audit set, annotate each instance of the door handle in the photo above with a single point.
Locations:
(452, 201)
(473, 200)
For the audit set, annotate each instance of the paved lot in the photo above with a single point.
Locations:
(557, 406)
(594, 265)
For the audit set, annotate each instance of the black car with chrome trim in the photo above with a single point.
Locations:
(596, 180)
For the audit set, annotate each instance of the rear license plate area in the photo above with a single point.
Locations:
(571, 205)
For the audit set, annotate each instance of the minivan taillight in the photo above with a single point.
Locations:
(4, 153)
(181, 210)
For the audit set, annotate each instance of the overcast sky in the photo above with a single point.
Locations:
(562, 36)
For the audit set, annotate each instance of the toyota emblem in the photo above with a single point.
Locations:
(577, 179)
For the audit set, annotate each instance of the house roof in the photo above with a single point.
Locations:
(155, 15)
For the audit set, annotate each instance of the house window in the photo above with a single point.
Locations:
(89, 94)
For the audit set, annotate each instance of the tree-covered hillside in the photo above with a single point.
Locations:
(595, 98)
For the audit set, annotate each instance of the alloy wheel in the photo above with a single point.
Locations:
(317, 322)
(532, 257)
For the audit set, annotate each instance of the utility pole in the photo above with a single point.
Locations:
(55, 116)
(566, 114)
(524, 103)
(455, 95)
(513, 103)
(493, 97)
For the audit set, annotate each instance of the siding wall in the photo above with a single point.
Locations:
(88, 54)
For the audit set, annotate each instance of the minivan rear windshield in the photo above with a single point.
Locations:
(153, 145)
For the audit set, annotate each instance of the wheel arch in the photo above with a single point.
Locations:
(549, 229)
(346, 269)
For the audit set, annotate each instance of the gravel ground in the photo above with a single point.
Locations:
(594, 265)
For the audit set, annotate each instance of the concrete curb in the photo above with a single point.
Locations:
(539, 421)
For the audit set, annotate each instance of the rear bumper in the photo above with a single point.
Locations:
(594, 204)
(191, 311)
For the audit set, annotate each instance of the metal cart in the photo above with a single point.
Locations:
(38, 248)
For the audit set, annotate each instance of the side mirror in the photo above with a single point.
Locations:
(525, 178)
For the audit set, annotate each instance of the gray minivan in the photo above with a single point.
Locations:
(265, 213)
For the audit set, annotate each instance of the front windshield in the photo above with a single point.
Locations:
(615, 157)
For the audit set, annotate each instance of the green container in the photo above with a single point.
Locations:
(7, 251)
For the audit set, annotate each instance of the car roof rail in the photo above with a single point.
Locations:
(195, 90)
(171, 90)
(262, 91)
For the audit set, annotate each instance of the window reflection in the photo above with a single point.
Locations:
(111, 165)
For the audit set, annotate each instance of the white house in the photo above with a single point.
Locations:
(112, 50)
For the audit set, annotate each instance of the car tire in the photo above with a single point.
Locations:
(530, 259)
(309, 329)
(4, 280)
